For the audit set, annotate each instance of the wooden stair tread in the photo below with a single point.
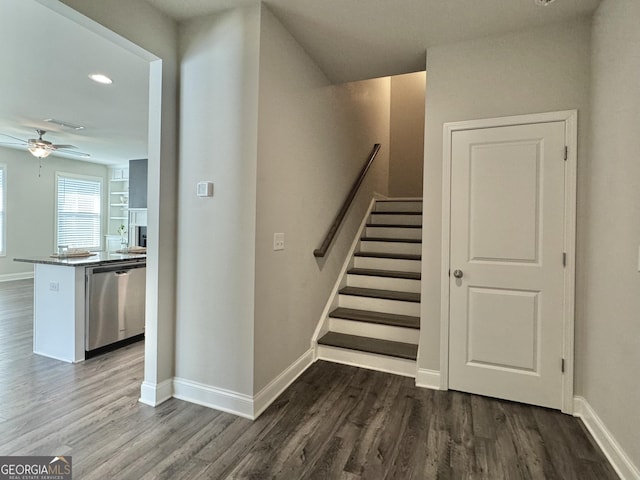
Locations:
(392, 240)
(399, 256)
(380, 318)
(383, 294)
(396, 213)
(392, 225)
(390, 348)
(385, 273)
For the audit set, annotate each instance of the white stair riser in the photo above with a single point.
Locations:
(408, 206)
(374, 330)
(379, 305)
(387, 264)
(384, 283)
(396, 219)
(372, 361)
(391, 247)
(394, 232)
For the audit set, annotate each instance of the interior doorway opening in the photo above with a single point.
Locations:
(154, 144)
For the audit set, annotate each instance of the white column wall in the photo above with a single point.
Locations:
(216, 235)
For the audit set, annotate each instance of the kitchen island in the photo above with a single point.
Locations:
(61, 306)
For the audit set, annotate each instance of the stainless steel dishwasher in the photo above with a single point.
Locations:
(115, 299)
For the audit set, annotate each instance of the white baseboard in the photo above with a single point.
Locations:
(618, 458)
(246, 406)
(428, 379)
(155, 394)
(10, 277)
(58, 357)
(213, 397)
(269, 393)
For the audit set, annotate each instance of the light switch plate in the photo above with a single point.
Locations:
(204, 189)
(278, 241)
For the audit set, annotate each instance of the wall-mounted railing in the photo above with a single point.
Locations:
(331, 234)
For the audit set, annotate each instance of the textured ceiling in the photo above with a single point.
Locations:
(46, 57)
(358, 39)
(45, 60)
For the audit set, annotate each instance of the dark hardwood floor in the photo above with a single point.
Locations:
(334, 422)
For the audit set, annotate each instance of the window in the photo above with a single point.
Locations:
(78, 207)
(3, 208)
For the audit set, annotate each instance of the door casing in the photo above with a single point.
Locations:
(570, 118)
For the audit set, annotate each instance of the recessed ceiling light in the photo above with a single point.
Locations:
(64, 124)
(544, 3)
(100, 78)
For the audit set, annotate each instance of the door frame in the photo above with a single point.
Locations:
(570, 118)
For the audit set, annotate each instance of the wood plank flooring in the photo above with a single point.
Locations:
(334, 422)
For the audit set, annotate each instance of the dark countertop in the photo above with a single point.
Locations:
(100, 258)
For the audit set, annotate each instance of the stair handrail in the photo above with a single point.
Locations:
(328, 239)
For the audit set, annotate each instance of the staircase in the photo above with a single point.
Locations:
(375, 319)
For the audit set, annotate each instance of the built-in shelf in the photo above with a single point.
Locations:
(118, 199)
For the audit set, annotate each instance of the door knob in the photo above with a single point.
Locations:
(457, 273)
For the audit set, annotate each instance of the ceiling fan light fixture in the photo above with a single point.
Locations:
(39, 151)
(100, 78)
(544, 3)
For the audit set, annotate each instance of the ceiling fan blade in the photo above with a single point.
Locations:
(22, 144)
(73, 152)
(58, 147)
(14, 138)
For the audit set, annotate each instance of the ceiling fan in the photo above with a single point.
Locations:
(42, 148)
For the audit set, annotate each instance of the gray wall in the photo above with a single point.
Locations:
(406, 133)
(216, 236)
(540, 70)
(31, 204)
(608, 346)
(313, 139)
(283, 146)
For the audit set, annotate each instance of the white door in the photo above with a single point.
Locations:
(507, 242)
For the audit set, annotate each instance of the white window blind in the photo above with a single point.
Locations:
(78, 206)
(3, 223)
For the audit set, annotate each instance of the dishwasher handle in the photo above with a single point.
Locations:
(118, 269)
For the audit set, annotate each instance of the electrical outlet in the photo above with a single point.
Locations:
(54, 286)
(278, 241)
